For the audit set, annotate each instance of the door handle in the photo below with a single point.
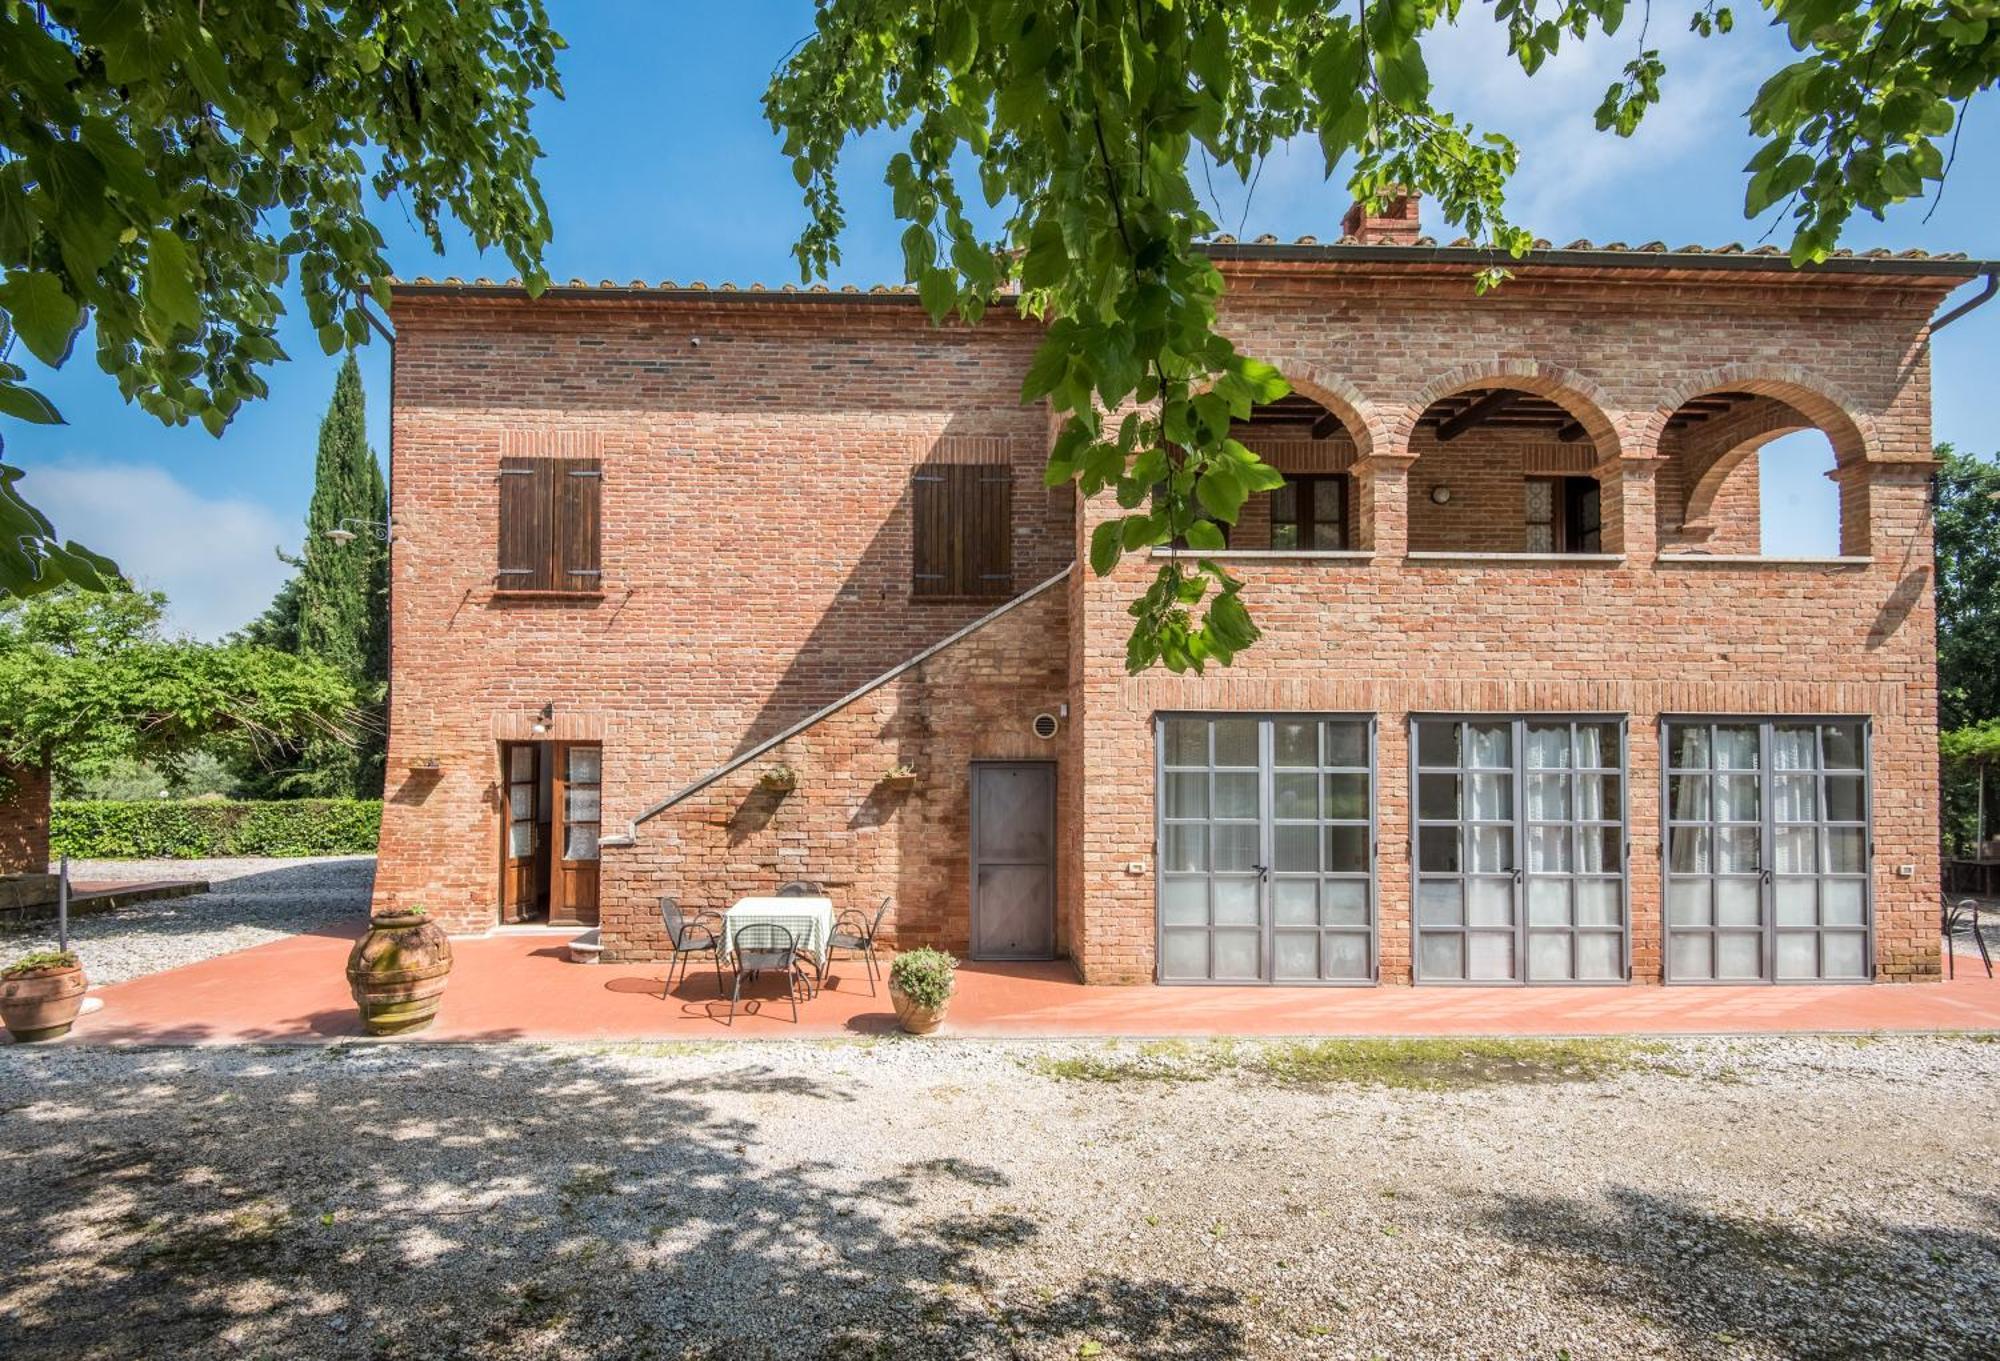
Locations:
(1263, 873)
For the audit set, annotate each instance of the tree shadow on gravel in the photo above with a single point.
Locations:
(1880, 1289)
(397, 1202)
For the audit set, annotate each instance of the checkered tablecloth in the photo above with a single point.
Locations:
(810, 920)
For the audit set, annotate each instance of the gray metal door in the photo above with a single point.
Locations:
(1013, 860)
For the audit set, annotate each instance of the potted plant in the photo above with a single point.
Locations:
(779, 779)
(40, 994)
(920, 987)
(397, 971)
(900, 775)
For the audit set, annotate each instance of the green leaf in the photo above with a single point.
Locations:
(1205, 536)
(1221, 492)
(1106, 546)
(43, 314)
(171, 293)
(26, 404)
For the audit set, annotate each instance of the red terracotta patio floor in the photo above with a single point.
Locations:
(521, 987)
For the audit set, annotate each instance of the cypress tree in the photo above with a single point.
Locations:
(336, 607)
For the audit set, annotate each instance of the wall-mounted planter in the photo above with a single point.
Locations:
(899, 777)
(779, 779)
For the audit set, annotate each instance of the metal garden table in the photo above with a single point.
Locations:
(810, 920)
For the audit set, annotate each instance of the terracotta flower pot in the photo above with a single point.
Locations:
(43, 1004)
(913, 1018)
(397, 972)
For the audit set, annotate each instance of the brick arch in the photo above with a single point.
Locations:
(1584, 400)
(1843, 420)
(1706, 479)
(1363, 423)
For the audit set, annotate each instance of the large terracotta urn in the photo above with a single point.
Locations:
(41, 1003)
(397, 972)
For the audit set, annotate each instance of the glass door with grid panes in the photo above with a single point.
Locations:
(1767, 850)
(1266, 849)
(1520, 850)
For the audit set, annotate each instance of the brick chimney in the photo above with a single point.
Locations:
(1395, 225)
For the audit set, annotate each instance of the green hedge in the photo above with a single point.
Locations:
(165, 829)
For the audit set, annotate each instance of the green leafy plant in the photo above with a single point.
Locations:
(168, 168)
(779, 777)
(169, 830)
(1086, 122)
(924, 976)
(900, 773)
(40, 961)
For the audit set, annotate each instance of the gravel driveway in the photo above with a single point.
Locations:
(251, 902)
(1781, 1198)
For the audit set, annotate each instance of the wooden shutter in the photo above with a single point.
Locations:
(578, 482)
(961, 530)
(527, 524)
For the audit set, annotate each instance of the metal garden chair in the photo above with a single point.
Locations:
(1957, 917)
(801, 888)
(854, 930)
(690, 936)
(766, 947)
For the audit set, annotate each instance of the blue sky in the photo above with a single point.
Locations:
(660, 166)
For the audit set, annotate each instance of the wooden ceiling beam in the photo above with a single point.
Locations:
(1327, 426)
(1492, 404)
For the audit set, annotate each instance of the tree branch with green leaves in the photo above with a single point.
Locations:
(1082, 120)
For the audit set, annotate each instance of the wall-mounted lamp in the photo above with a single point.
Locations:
(545, 717)
(1440, 494)
(341, 534)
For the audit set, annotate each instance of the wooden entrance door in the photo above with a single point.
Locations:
(579, 770)
(524, 839)
(1013, 860)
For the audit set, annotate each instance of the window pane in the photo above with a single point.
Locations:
(521, 801)
(1492, 798)
(580, 841)
(1845, 800)
(1796, 851)
(1346, 743)
(1736, 747)
(1597, 745)
(1736, 850)
(581, 805)
(1842, 745)
(1738, 902)
(1687, 798)
(585, 764)
(1489, 902)
(1687, 746)
(1736, 798)
(1548, 746)
(1793, 747)
(1294, 794)
(1443, 956)
(1235, 795)
(1843, 902)
(1844, 954)
(1548, 797)
(1688, 957)
(1437, 743)
(1440, 902)
(1187, 796)
(1294, 849)
(1548, 902)
(1539, 504)
(1549, 850)
(1599, 849)
(1489, 955)
(1347, 850)
(521, 839)
(1798, 954)
(1795, 798)
(1344, 902)
(1345, 955)
(1235, 902)
(1236, 741)
(1184, 902)
(1845, 853)
(1437, 849)
(1539, 539)
(1491, 745)
(1688, 903)
(1185, 955)
(1295, 902)
(1284, 534)
(1599, 955)
(1492, 849)
(1437, 796)
(1738, 955)
(1187, 848)
(1599, 903)
(1236, 954)
(1797, 902)
(1187, 741)
(1326, 502)
(1294, 743)
(1688, 850)
(521, 763)
(1285, 501)
(1548, 956)
(1346, 796)
(1295, 954)
(1235, 846)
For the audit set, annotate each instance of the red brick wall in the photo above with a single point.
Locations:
(841, 825)
(24, 820)
(756, 539)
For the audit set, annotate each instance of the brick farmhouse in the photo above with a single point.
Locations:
(697, 590)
